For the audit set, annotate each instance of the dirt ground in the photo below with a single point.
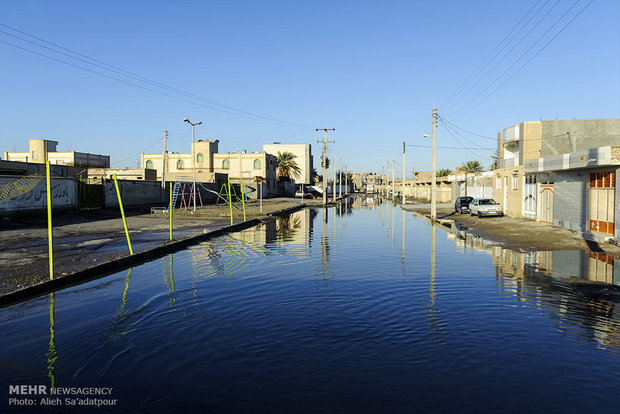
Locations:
(519, 234)
(86, 238)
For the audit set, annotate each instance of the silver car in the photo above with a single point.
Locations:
(485, 207)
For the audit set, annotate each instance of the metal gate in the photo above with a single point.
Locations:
(91, 193)
(529, 197)
(545, 196)
(601, 200)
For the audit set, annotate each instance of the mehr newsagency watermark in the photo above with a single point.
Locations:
(42, 395)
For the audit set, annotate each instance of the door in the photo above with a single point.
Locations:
(545, 196)
(91, 193)
(601, 198)
(529, 197)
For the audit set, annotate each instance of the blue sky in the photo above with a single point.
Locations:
(371, 69)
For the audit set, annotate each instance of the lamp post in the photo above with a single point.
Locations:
(193, 158)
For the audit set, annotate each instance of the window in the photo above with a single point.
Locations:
(179, 164)
(226, 164)
(257, 165)
(199, 157)
(515, 182)
(149, 164)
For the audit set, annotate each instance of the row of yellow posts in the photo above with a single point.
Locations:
(48, 181)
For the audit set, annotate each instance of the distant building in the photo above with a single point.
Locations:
(304, 159)
(214, 167)
(42, 150)
(179, 165)
(123, 173)
(246, 167)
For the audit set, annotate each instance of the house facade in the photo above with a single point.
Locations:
(246, 167)
(563, 173)
(303, 158)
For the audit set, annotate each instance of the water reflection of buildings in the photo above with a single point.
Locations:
(572, 286)
(295, 228)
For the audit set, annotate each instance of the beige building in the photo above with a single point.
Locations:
(179, 165)
(42, 150)
(246, 167)
(303, 158)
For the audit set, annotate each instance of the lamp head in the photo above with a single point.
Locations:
(186, 120)
(426, 136)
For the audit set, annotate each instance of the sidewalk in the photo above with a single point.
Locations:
(83, 239)
(517, 234)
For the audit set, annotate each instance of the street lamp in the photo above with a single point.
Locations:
(193, 157)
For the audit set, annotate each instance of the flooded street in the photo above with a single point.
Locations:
(357, 308)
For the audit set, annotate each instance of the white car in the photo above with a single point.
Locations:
(485, 207)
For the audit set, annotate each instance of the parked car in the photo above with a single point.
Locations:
(300, 193)
(462, 204)
(485, 207)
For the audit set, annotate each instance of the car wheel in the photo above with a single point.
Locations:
(480, 214)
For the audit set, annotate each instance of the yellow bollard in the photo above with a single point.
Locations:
(120, 203)
(230, 202)
(242, 198)
(48, 181)
(170, 210)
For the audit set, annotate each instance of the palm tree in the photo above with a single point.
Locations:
(287, 166)
(494, 165)
(472, 166)
(444, 172)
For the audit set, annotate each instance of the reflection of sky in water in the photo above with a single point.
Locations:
(345, 312)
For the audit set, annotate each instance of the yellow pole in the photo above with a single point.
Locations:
(230, 202)
(51, 353)
(170, 210)
(48, 181)
(242, 198)
(120, 203)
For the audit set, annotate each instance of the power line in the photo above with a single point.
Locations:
(474, 74)
(455, 148)
(119, 71)
(536, 54)
(463, 129)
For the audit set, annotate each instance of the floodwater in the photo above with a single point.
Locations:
(361, 309)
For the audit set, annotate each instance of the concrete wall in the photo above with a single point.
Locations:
(136, 193)
(570, 201)
(64, 196)
(582, 134)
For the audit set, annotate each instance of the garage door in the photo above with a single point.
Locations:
(601, 195)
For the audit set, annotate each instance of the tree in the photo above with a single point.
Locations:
(444, 172)
(287, 166)
(494, 165)
(472, 166)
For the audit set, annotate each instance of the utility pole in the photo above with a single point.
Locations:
(403, 173)
(393, 180)
(346, 183)
(334, 187)
(340, 180)
(193, 158)
(163, 171)
(324, 160)
(434, 178)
